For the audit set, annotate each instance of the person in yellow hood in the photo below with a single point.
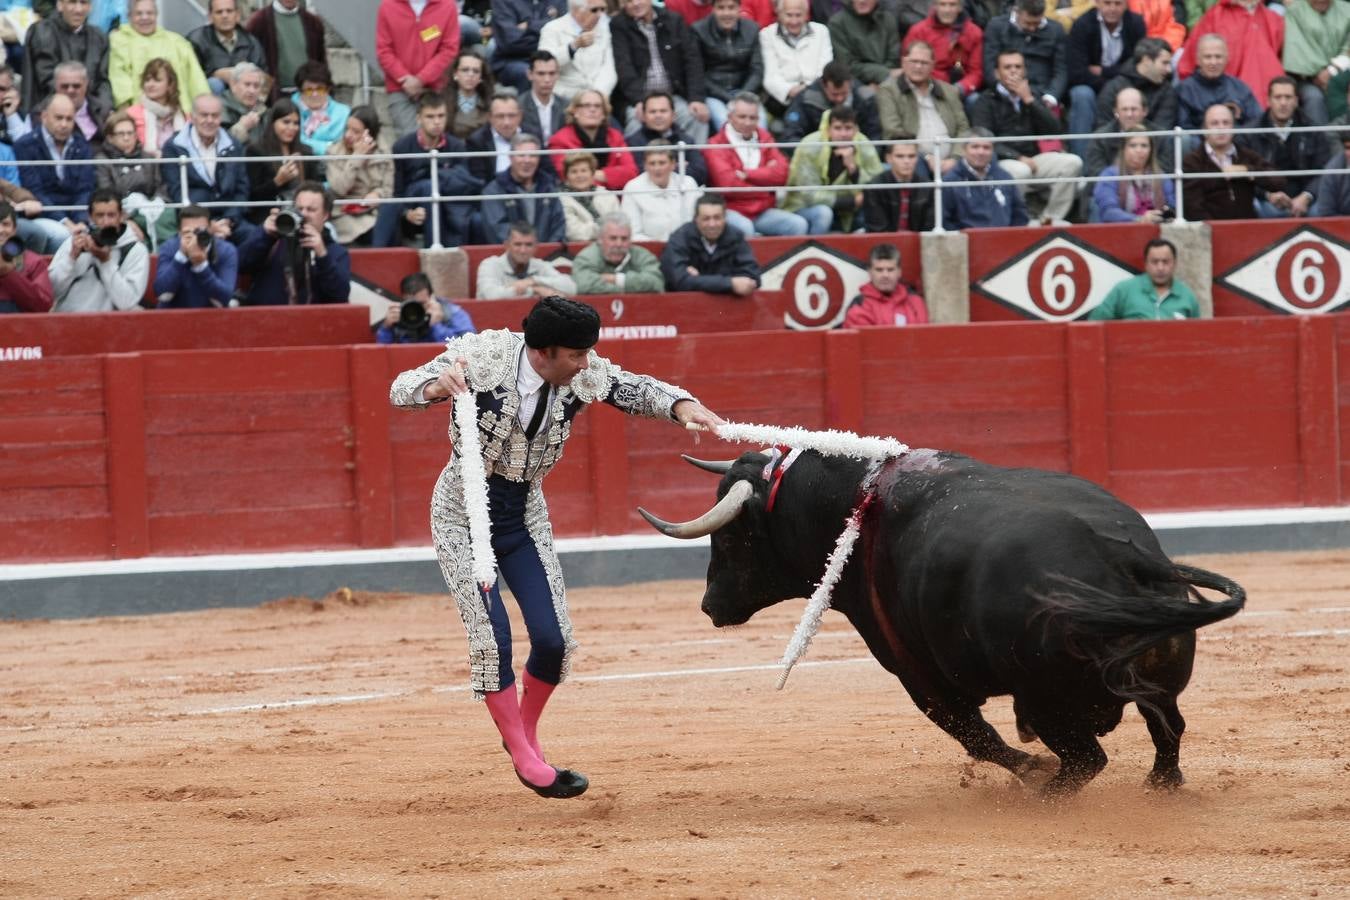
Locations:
(830, 161)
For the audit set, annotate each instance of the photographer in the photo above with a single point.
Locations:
(24, 284)
(102, 266)
(295, 257)
(195, 271)
(422, 317)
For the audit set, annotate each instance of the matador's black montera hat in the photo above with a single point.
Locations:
(558, 322)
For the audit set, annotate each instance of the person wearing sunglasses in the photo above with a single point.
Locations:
(580, 42)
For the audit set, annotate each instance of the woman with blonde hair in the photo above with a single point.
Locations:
(585, 203)
(157, 112)
(588, 129)
(1137, 198)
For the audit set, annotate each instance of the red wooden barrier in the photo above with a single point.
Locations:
(1281, 266)
(179, 452)
(638, 316)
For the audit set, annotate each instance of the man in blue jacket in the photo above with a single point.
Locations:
(981, 195)
(515, 29)
(194, 273)
(57, 138)
(215, 174)
(306, 266)
(706, 255)
(516, 187)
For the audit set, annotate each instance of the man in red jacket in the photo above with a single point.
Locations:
(741, 158)
(958, 45)
(415, 49)
(884, 301)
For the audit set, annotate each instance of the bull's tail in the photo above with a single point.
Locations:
(1113, 630)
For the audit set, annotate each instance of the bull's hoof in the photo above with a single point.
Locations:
(1062, 787)
(1037, 768)
(1165, 779)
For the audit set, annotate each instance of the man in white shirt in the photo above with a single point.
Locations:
(517, 273)
(542, 112)
(795, 51)
(580, 43)
(659, 200)
(495, 135)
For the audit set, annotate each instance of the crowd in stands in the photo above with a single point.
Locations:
(584, 116)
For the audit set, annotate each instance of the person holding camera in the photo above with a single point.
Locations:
(24, 283)
(195, 270)
(103, 265)
(422, 317)
(295, 257)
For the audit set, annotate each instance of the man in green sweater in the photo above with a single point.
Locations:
(612, 265)
(866, 38)
(1156, 294)
(1316, 38)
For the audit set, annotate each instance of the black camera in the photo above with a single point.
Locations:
(11, 250)
(106, 236)
(203, 236)
(288, 223)
(413, 322)
(1168, 213)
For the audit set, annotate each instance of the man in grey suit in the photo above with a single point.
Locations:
(542, 113)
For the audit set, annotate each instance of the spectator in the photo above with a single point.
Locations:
(656, 112)
(1232, 197)
(216, 171)
(542, 111)
(65, 37)
(1156, 294)
(915, 103)
(588, 128)
(794, 53)
(676, 69)
(438, 321)
(306, 266)
(1160, 21)
(13, 123)
(156, 112)
(957, 44)
(581, 45)
(141, 39)
(1150, 73)
(1212, 84)
(516, 26)
(244, 104)
(322, 118)
(743, 158)
(907, 207)
(102, 266)
(71, 79)
(1333, 189)
(56, 138)
(494, 136)
(195, 271)
(517, 187)
(24, 283)
(127, 171)
(1103, 151)
(885, 301)
(277, 182)
(356, 182)
(1146, 199)
(659, 200)
(1011, 109)
(1101, 43)
(412, 178)
(584, 203)
(705, 255)
(729, 46)
(1338, 127)
(819, 164)
(517, 272)
(1255, 38)
(1042, 44)
(1317, 35)
(415, 43)
(1288, 151)
(760, 12)
(1066, 12)
(866, 38)
(986, 197)
(223, 44)
(614, 265)
(469, 95)
(290, 36)
(835, 87)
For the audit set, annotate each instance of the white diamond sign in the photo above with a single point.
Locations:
(1056, 279)
(819, 281)
(1303, 274)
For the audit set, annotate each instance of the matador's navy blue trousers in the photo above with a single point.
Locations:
(519, 563)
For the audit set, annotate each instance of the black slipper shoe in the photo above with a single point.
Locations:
(566, 784)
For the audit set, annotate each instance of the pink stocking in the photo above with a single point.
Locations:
(505, 712)
(535, 696)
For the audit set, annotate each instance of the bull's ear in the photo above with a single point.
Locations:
(728, 508)
(717, 467)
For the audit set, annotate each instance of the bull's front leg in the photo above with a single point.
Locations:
(963, 720)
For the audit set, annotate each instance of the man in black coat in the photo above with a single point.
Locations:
(1150, 73)
(1101, 43)
(901, 206)
(834, 87)
(657, 115)
(61, 38)
(677, 69)
(542, 112)
(494, 136)
(1290, 152)
(705, 255)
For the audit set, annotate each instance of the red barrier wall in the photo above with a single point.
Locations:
(1281, 266)
(235, 450)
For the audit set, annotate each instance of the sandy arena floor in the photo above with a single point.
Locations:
(325, 750)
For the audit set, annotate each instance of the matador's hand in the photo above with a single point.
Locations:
(449, 383)
(687, 411)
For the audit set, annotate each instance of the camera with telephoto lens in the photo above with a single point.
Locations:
(288, 223)
(11, 250)
(413, 322)
(203, 236)
(1168, 213)
(106, 236)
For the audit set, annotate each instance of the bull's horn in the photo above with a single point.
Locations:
(728, 508)
(717, 467)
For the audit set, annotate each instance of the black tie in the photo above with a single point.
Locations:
(540, 407)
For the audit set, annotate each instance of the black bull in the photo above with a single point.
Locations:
(971, 581)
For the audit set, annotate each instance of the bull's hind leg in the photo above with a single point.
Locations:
(1081, 757)
(1165, 726)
